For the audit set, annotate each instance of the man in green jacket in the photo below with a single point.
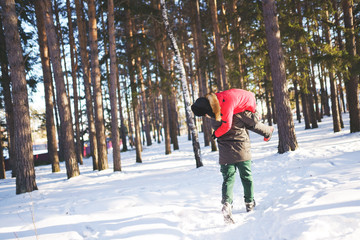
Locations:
(234, 151)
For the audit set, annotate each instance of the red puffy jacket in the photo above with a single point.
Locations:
(227, 103)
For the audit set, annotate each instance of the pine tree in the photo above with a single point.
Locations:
(67, 132)
(97, 93)
(87, 84)
(48, 87)
(287, 138)
(352, 81)
(2, 160)
(5, 84)
(112, 89)
(73, 57)
(222, 82)
(131, 68)
(25, 172)
(180, 64)
(333, 87)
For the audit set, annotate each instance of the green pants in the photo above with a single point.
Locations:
(228, 171)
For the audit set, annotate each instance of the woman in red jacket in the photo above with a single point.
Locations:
(223, 105)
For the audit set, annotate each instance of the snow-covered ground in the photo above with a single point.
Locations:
(312, 193)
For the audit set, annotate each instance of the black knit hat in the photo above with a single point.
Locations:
(202, 107)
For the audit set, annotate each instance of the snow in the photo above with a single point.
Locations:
(311, 193)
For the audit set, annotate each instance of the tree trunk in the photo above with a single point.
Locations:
(173, 115)
(150, 93)
(86, 75)
(112, 89)
(131, 134)
(166, 123)
(157, 110)
(179, 61)
(2, 160)
(25, 172)
(218, 48)
(166, 92)
(159, 57)
(5, 84)
(351, 84)
(96, 83)
(297, 101)
(287, 137)
(174, 119)
(122, 122)
(305, 108)
(59, 34)
(48, 87)
(74, 79)
(106, 60)
(67, 133)
(203, 81)
(144, 108)
(237, 31)
(333, 87)
(324, 93)
(305, 82)
(314, 93)
(268, 98)
(341, 47)
(134, 93)
(273, 107)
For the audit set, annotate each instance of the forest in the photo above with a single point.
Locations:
(129, 70)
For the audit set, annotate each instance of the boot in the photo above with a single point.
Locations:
(250, 206)
(226, 210)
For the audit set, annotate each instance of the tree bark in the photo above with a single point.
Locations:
(5, 84)
(297, 101)
(67, 132)
(131, 134)
(305, 82)
(324, 92)
(134, 93)
(166, 124)
(341, 47)
(287, 137)
(268, 98)
(122, 123)
(236, 39)
(333, 87)
(144, 108)
(201, 68)
(222, 83)
(166, 92)
(86, 75)
(74, 80)
(48, 87)
(352, 83)
(59, 34)
(179, 61)
(2, 160)
(25, 172)
(173, 119)
(96, 83)
(112, 89)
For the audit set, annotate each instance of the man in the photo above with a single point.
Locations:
(233, 112)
